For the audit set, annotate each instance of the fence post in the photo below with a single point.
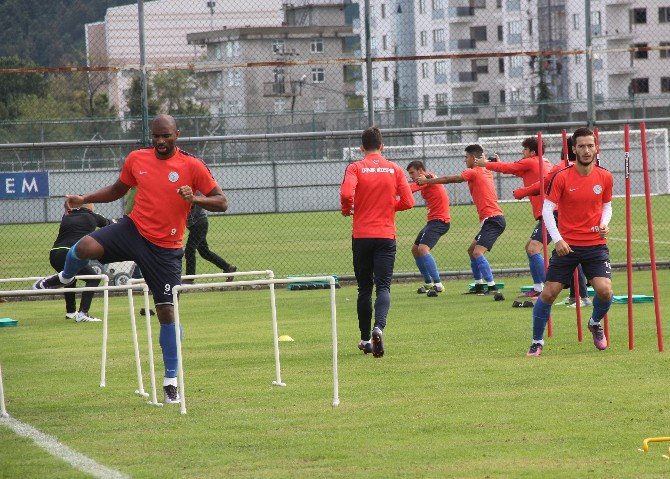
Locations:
(368, 64)
(590, 113)
(143, 76)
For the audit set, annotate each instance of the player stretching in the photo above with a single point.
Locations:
(483, 192)
(437, 206)
(167, 179)
(583, 194)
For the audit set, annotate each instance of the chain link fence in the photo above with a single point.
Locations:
(273, 96)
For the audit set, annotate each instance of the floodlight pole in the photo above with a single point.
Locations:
(368, 63)
(590, 113)
(143, 76)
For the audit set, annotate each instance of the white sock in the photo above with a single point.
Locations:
(538, 287)
(169, 381)
(479, 281)
(438, 285)
(63, 280)
(539, 342)
(593, 322)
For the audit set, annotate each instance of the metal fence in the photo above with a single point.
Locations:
(273, 96)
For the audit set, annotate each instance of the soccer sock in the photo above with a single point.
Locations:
(475, 270)
(168, 343)
(431, 267)
(73, 264)
(536, 263)
(541, 312)
(600, 309)
(382, 306)
(421, 263)
(485, 268)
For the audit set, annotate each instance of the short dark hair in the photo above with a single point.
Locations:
(532, 144)
(571, 154)
(474, 149)
(582, 131)
(417, 165)
(371, 139)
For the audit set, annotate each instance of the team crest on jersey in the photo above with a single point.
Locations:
(597, 189)
(173, 176)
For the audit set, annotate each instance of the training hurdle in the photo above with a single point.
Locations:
(147, 314)
(105, 289)
(269, 282)
(3, 408)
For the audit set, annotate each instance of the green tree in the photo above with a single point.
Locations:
(175, 93)
(134, 98)
(17, 85)
(543, 96)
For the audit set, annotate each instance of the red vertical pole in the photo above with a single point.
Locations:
(650, 230)
(629, 234)
(540, 171)
(575, 274)
(607, 319)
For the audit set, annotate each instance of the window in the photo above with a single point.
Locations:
(280, 105)
(480, 97)
(387, 103)
(663, 14)
(502, 97)
(498, 3)
(639, 15)
(386, 73)
(478, 33)
(278, 46)
(233, 49)
(235, 107)
(318, 75)
(320, 104)
(578, 59)
(317, 45)
(383, 10)
(215, 52)
(640, 54)
(575, 21)
(530, 27)
(513, 5)
(579, 91)
(598, 88)
(377, 103)
(515, 67)
(383, 42)
(422, 6)
(426, 101)
(437, 5)
(438, 35)
(596, 23)
(639, 85)
(440, 68)
(423, 38)
(514, 33)
(665, 84)
(500, 33)
(480, 65)
(234, 78)
(501, 65)
(424, 70)
(515, 95)
(664, 53)
(441, 102)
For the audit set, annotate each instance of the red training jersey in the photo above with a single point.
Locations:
(526, 169)
(534, 189)
(580, 204)
(437, 200)
(160, 212)
(371, 188)
(483, 191)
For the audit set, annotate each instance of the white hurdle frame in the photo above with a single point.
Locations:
(152, 370)
(270, 283)
(105, 289)
(3, 409)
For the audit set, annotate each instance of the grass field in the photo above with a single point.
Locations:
(454, 395)
(320, 243)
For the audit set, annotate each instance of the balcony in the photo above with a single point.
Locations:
(438, 14)
(620, 69)
(286, 88)
(463, 79)
(619, 34)
(439, 46)
(440, 78)
(461, 14)
(618, 2)
(463, 44)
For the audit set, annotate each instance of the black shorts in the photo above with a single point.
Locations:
(491, 229)
(595, 261)
(161, 267)
(431, 233)
(537, 232)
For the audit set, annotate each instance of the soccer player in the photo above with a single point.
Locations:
(483, 192)
(583, 194)
(167, 179)
(74, 225)
(437, 205)
(527, 168)
(532, 191)
(373, 189)
(198, 225)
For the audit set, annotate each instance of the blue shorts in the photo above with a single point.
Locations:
(537, 232)
(491, 229)
(595, 261)
(161, 267)
(431, 233)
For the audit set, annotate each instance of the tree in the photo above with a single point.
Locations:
(15, 86)
(134, 98)
(543, 96)
(175, 93)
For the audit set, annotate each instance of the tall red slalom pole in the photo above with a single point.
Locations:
(650, 230)
(540, 172)
(607, 319)
(629, 234)
(575, 274)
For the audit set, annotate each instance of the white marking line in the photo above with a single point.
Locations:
(638, 240)
(61, 451)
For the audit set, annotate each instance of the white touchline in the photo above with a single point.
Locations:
(638, 240)
(61, 451)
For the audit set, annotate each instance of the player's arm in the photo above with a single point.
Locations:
(440, 180)
(406, 199)
(104, 195)
(562, 248)
(518, 168)
(348, 189)
(215, 200)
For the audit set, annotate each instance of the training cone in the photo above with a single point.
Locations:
(285, 337)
